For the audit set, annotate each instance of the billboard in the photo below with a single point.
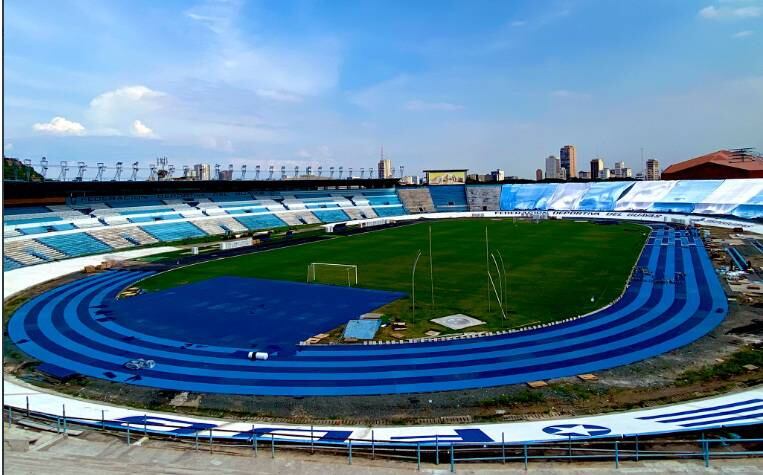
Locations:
(446, 177)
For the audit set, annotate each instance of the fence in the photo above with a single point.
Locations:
(609, 450)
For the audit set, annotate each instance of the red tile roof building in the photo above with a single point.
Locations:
(718, 165)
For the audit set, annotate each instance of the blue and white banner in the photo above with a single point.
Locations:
(744, 408)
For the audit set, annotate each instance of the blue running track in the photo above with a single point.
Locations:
(677, 302)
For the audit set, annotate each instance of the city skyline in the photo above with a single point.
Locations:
(499, 86)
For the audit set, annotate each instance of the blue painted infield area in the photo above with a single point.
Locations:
(267, 315)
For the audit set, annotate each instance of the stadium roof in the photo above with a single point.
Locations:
(720, 164)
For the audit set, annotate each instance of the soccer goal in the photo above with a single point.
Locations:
(330, 273)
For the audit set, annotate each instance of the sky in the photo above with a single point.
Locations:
(439, 84)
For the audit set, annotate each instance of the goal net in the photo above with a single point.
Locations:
(334, 274)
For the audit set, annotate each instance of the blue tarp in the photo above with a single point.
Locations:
(362, 329)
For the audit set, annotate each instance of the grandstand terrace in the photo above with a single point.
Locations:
(72, 219)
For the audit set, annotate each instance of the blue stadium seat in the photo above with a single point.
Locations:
(330, 215)
(449, 197)
(10, 264)
(77, 244)
(259, 221)
(174, 231)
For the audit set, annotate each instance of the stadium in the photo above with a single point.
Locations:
(356, 300)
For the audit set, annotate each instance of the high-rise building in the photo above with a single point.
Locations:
(385, 168)
(203, 171)
(583, 175)
(652, 169)
(553, 168)
(597, 164)
(498, 175)
(538, 175)
(605, 174)
(569, 160)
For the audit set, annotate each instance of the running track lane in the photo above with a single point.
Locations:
(67, 327)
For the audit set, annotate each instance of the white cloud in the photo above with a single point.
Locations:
(419, 105)
(712, 12)
(139, 129)
(115, 112)
(278, 95)
(60, 126)
(709, 12)
(123, 95)
(268, 65)
(518, 23)
(567, 94)
(742, 34)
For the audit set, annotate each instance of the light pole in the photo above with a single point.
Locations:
(413, 287)
(431, 264)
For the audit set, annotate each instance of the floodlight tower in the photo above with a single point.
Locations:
(296, 171)
(371, 173)
(270, 172)
(99, 174)
(349, 172)
(341, 171)
(401, 171)
(118, 173)
(309, 170)
(362, 172)
(230, 170)
(152, 172)
(257, 172)
(320, 171)
(28, 169)
(283, 172)
(186, 171)
(81, 167)
(331, 173)
(44, 167)
(170, 172)
(243, 171)
(134, 175)
(62, 172)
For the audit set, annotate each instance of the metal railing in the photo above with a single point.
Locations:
(599, 449)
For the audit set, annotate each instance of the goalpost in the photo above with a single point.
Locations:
(351, 271)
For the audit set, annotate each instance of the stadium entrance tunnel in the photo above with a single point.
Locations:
(675, 300)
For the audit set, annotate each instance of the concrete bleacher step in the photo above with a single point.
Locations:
(209, 226)
(229, 224)
(30, 252)
(138, 235)
(289, 218)
(483, 198)
(417, 200)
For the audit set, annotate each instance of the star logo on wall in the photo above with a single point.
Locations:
(576, 430)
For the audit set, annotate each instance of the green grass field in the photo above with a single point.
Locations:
(553, 268)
